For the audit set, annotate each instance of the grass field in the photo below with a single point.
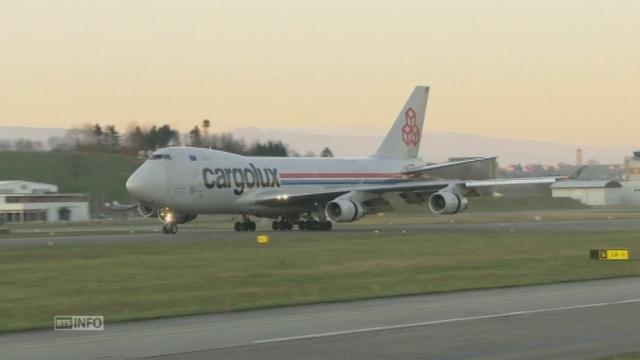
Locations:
(169, 278)
(634, 356)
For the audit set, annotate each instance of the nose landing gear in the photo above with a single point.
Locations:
(169, 228)
(245, 225)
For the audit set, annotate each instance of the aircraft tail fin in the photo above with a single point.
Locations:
(403, 140)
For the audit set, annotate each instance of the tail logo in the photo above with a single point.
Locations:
(410, 130)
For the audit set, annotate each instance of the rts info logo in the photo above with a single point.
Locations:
(78, 322)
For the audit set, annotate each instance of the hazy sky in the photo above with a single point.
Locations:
(566, 71)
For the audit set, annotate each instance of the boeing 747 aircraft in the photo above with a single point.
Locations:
(178, 183)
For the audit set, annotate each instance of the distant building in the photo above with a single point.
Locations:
(24, 201)
(579, 157)
(632, 167)
(630, 193)
(589, 192)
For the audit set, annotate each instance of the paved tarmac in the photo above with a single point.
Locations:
(579, 320)
(146, 234)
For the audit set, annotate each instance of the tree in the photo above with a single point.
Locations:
(5, 145)
(195, 138)
(165, 136)
(135, 139)
(326, 152)
(111, 139)
(270, 148)
(24, 145)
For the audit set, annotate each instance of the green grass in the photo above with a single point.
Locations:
(633, 356)
(102, 176)
(170, 278)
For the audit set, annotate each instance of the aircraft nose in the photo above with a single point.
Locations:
(147, 183)
(134, 184)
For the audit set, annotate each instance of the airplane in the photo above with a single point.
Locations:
(176, 184)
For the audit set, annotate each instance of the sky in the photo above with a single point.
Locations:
(562, 71)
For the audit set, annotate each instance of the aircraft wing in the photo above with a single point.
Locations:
(427, 168)
(117, 206)
(285, 197)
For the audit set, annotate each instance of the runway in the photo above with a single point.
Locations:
(148, 235)
(580, 320)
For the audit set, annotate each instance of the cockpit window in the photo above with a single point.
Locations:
(160, 156)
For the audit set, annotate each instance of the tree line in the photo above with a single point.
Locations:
(137, 140)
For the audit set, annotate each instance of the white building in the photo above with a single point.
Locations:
(24, 201)
(598, 192)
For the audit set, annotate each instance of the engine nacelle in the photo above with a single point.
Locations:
(147, 211)
(447, 202)
(344, 210)
(169, 216)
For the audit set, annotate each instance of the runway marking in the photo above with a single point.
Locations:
(444, 321)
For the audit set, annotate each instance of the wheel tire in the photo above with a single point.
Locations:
(245, 226)
(173, 228)
(165, 229)
(274, 225)
(237, 226)
(289, 226)
(328, 225)
(252, 226)
(282, 226)
(302, 225)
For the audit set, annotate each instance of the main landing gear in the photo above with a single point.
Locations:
(169, 228)
(245, 225)
(281, 225)
(315, 225)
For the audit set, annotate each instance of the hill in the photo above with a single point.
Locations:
(441, 146)
(102, 176)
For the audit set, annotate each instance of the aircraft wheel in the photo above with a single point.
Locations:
(237, 226)
(165, 229)
(252, 226)
(289, 226)
(313, 225)
(274, 225)
(327, 225)
(301, 224)
(173, 228)
(282, 226)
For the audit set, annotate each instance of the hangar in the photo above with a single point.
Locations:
(596, 192)
(25, 201)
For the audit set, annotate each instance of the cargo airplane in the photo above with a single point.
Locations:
(178, 183)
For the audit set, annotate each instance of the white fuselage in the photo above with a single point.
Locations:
(204, 181)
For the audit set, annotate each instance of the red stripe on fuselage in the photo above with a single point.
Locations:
(334, 175)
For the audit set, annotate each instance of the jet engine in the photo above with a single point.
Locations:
(146, 211)
(447, 202)
(169, 216)
(344, 210)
